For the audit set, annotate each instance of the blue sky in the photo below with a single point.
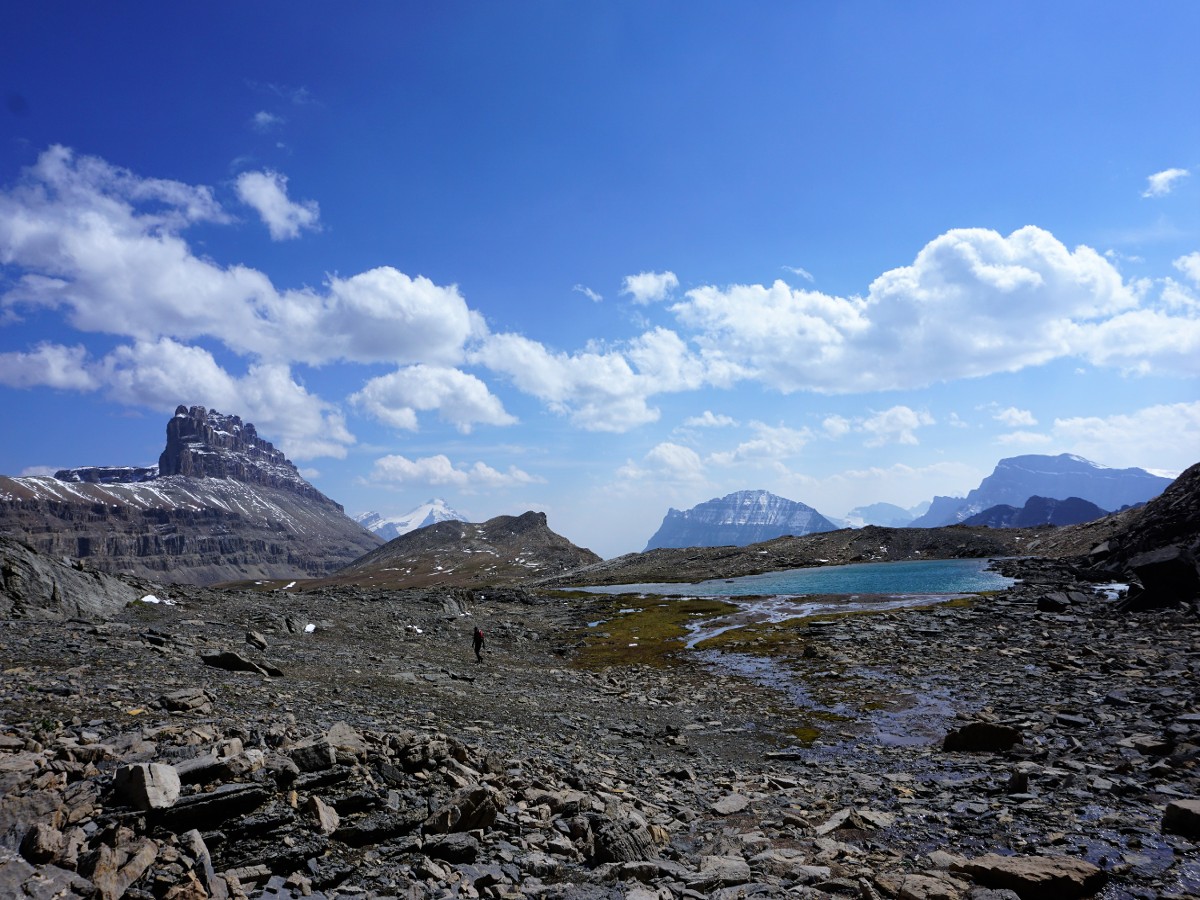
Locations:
(601, 259)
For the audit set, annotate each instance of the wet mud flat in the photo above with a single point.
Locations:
(789, 757)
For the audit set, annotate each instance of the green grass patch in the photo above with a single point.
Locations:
(650, 632)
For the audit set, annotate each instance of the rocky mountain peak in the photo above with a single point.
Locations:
(738, 519)
(206, 444)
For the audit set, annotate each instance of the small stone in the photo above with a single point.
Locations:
(730, 804)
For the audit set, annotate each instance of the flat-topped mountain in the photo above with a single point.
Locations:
(223, 504)
(737, 519)
(503, 550)
(1016, 479)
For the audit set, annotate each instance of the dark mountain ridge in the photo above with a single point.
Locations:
(1038, 511)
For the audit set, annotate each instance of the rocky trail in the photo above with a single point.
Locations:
(345, 743)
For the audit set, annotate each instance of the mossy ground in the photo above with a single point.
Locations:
(639, 630)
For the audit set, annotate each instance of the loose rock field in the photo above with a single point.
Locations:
(219, 747)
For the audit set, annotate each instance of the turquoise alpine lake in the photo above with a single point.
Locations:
(925, 577)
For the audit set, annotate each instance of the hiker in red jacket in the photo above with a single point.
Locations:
(477, 641)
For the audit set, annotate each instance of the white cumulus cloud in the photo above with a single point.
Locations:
(1190, 266)
(972, 303)
(460, 398)
(266, 193)
(1164, 436)
(600, 389)
(647, 287)
(665, 462)
(48, 365)
(164, 373)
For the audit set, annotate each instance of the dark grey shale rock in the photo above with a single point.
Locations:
(33, 586)
(235, 662)
(1182, 817)
(981, 737)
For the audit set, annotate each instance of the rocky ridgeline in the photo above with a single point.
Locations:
(343, 743)
(501, 551)
(206, 444)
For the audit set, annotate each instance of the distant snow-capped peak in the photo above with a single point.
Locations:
(391, 527)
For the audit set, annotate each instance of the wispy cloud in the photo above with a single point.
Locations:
(803, 273)
(266, 192)
(588, 292)
(709, 419)
(264, 121)
(1162, 183)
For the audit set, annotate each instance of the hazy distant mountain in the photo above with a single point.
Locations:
(886, 514)
(1038, 511)
(391, 527)
(1018, 478)
(738, 519)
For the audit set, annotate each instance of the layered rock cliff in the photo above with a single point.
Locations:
(222, 505)
(738, 519)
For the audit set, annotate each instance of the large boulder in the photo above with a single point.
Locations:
(33, 586)
(1169, 576)
(1036, 877)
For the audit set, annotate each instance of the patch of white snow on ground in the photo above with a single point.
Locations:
(310, 628)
